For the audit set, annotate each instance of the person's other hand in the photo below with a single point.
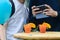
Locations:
(50, 11)
(34, 10)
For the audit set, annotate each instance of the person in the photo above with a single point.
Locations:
(17, 20)
(53, 13)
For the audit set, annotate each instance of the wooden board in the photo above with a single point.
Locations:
(38, 35)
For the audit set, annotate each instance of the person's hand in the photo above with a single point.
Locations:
(34, 10)
(50, 11)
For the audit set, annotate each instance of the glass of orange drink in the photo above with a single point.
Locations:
(42, 28)
(27, 28)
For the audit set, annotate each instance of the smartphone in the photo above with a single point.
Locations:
(41, 15)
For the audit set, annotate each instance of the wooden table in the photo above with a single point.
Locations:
(39, 36)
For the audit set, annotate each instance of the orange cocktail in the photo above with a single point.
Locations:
(42, 28)
(27, 28)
